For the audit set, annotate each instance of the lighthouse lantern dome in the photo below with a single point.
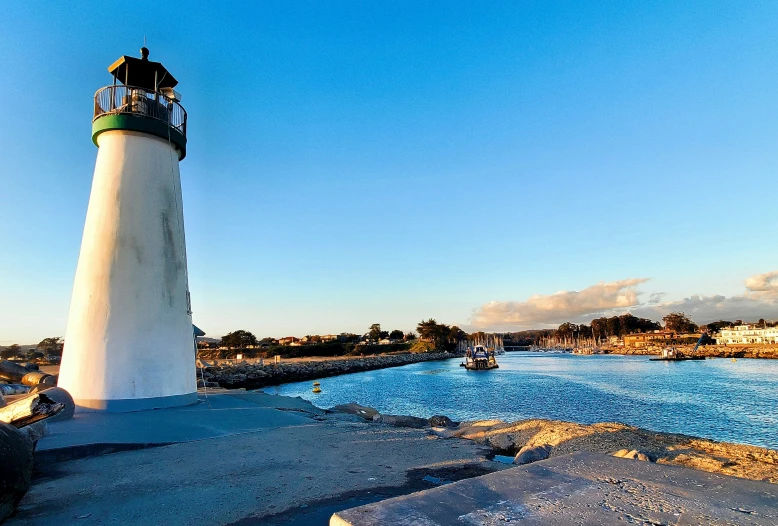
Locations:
(141, 99)
(142, 72)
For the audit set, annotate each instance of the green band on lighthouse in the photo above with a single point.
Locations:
(129, 122)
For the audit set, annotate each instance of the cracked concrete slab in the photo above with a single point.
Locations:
(582, 488)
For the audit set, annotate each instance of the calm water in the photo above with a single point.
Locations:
(718, 398)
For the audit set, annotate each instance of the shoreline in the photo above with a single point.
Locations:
(535, 439)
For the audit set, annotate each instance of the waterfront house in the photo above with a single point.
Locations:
(644, 339)
(747, 334)
(289, 340)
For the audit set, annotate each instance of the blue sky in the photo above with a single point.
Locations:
(360, 162)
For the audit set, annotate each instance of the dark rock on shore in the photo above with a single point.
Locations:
(529, 454)
(355, 409)
(15, 468)
(402, 421)
(255, 376)
(442, 421)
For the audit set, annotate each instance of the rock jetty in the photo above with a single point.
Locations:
(254, 376)
(538, 439)
(710, 351)
(531, 440)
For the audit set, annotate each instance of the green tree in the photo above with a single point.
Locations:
(566, 330)
(11, 351)
(599, 328)
(410, 336)
(456, 335)
(238, 340)
(434, 332)
(348, 337)
(51, 346)
(396, 335)
(716, 326)
(679, 323)
(613, 326)
(374, 333)
(427, 329)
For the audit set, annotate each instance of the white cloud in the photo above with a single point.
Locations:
(763, 285)
(758, 300)
(704, 309)
(563, 306)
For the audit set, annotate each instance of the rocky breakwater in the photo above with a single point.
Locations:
(712, 351)
(254, 376)
(534, 440)
(538, 439)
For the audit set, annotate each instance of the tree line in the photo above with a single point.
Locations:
(620, 326)
(47, 347)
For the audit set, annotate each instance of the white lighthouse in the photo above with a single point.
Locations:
(129, 344)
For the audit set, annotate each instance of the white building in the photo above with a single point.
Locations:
(747, 334)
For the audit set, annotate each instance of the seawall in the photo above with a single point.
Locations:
(254, 376)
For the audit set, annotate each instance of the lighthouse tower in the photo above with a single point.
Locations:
(129, 344)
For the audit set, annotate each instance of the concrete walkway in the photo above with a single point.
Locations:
(220, 414)
(582, 488)
(249, 456)
(241, 457)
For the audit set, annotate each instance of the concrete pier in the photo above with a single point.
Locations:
(582, 488)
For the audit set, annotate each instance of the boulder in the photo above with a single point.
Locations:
(355, 409)
(632, 454)
(441, 421)
(36, 431)
(401, 421)
(529, 454)
(16, 462)
(502, 442)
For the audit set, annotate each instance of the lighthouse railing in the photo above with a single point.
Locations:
(142, 102)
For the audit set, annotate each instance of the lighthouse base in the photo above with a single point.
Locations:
(128, 405)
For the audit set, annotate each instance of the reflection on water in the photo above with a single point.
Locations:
(719, 399)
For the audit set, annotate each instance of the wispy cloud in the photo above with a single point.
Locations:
(567, 305)
(758, 300)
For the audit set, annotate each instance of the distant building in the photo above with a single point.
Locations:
(644, 339)
(329, 337)
(289, 340)
(747, 334)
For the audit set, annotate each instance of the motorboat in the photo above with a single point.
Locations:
(479, 358)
